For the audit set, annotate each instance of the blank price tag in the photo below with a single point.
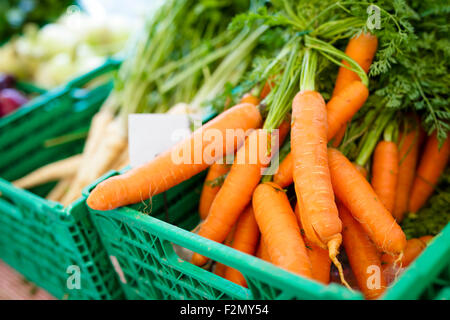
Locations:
(150, 134)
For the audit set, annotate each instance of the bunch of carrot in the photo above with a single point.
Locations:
(339, 204)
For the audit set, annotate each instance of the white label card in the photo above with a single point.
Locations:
(151, 133)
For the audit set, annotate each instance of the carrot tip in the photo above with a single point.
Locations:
(333, 249)
(398, 265)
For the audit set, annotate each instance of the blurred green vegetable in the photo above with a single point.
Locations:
(14, 14)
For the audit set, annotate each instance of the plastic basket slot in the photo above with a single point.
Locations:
(47, 112)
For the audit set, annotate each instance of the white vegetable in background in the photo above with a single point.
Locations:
(58, 52)
(55, 71)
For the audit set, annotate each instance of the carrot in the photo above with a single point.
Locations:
(343, 105)
(337, 139)
(267, 87)
(320, 261)
(412, 250)
(408, 153)
(426, 239)
(362, 255)
(392, 265)
(213, 182)
(249, 98)
(362, 49)
(358, 196)
(163, 172)
(261, 252)
(50, 172)
(340, 109)
(385, 172)
(431, 166)
(361, 170)
(283, 177)
(319, 215)
(279, 228)
(245, 240)
(237, 189)
(220, 268)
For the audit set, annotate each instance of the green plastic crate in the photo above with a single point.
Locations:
(39, 238)
(142, 243)
(141, 239)
(428, 275)
(31, 90)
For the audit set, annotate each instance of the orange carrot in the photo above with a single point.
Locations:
(359, 197)
(237, 189)
(361, 49)
(392, 265)
(279, 228)
(343, 105)
(337, 139)
(361, 170)
(319, 214)
(245, 240)
(267, 87)
(220, 268)
(431, 166)
(283, 177)
(362, 255)
(426, 239)
(340, 109)
(249, 98)
(320, 261)
(385, 172)
(262, 251)
(162, 173)
(211, 186)
(408, 153)
(412, 250)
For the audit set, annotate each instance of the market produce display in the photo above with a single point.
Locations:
(342, 165)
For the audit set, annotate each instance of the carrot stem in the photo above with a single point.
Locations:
(337, 56)
(371, 139)
(390, 132)
(309, 67)
(284, 92)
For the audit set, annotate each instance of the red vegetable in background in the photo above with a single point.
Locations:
(10, 100)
